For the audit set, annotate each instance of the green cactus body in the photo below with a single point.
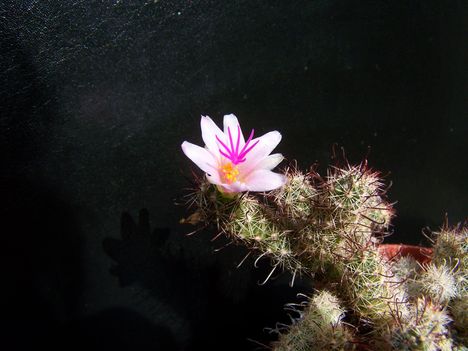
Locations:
(355, 194)
(296, 199)
(319, 246)
(366, 286)
(350, 187)
(251, 223)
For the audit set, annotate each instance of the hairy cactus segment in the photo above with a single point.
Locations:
(378, 214)
(328, 307)
(451, 243)
(350, 188)
(296, 198)
(367, 288)
(356, 195)
(210, 205)
(348, 213)
(437, 282)
(251, 223)
(427, 329)
(404, 268)
(320, 246)
(399, 273)
(319, 328)
(451, 249)
(248, 222)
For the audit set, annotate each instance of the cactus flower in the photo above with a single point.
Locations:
(231, 162)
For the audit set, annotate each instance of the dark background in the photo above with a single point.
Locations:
(96, 98)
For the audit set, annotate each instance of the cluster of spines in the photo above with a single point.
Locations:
(357, 196)
(367, 290)
(252, 223)
(209, 204)
(297, 198)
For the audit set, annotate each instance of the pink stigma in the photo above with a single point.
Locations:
(232, 153)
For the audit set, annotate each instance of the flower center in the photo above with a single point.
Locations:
(229, 172)
(231, 152)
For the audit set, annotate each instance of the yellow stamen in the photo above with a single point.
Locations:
(229, 172)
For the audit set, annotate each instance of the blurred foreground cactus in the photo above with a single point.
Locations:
(330, 229)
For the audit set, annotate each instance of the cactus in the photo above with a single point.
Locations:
(329, 228)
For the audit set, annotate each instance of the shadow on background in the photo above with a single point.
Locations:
(41, 262)
(42, 245)
(223, 311)
(115, 329)
(42, 283)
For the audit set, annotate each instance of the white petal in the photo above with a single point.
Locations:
(269, 162)
(214, 178)
(231, 123)
(264, 180)
(209, 132)
(200, 156)
(235, 187)
(266, 144)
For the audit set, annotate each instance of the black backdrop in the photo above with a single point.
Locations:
(96, 98)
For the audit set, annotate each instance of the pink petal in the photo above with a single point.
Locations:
(265, 146)
(200, 156)
(269, 162)
(214, 178)
(209, 132)
(231, 122)
(264, 180)
(235, 187)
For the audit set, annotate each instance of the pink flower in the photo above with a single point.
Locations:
(233, 164)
